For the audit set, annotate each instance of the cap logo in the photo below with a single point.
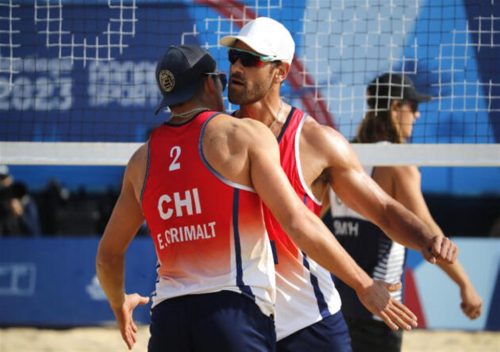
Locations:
(167, 80)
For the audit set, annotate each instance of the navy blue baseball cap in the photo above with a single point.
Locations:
(179, 73)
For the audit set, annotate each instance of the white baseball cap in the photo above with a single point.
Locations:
(267, 37)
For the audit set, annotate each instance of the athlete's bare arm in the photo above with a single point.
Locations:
(257, 147)
(343, 172)
(404, 184)
(122, 227)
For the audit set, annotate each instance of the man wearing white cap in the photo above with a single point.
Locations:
(314, 157)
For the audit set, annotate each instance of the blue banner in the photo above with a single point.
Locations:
(52, 282)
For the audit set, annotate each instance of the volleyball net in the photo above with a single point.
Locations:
(77, 81)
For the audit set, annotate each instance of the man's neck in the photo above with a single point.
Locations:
(181, 116)
(265, 111)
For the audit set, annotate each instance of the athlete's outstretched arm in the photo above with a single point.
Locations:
(122, 227)
(359, 192)
(311, 235)
(408, 191)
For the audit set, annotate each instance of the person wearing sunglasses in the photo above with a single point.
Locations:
(201, 182)
(315, 158)
(393, 109)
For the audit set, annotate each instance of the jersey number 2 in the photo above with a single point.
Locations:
(175, 153)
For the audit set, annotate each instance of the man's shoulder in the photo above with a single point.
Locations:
(234, 133)
(406, 171)
(315, 132)
(140, 154)
(136, 167)
(236, 126)
(326, 143)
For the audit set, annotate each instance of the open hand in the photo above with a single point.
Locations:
(123, 315)
(377, 299)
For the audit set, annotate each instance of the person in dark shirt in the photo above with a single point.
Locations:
(18, 210)
(393, 109)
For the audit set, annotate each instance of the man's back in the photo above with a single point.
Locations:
(208, 230)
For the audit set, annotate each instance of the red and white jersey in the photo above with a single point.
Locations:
(305, 291)
(209, 233)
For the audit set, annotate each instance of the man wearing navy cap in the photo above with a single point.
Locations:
(200, 183)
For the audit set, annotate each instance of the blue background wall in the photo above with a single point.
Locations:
(52, 282)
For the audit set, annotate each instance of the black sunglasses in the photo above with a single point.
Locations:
(247, 58)
(222, 77)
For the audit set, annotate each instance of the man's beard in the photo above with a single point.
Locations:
(246, 96)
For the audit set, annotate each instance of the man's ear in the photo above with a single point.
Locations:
(209, 84)
(282, 71)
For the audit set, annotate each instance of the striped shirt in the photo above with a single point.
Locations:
(382, 258)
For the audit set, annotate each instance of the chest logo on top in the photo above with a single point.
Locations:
(345, 228)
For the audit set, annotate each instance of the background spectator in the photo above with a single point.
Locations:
(18, 210)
